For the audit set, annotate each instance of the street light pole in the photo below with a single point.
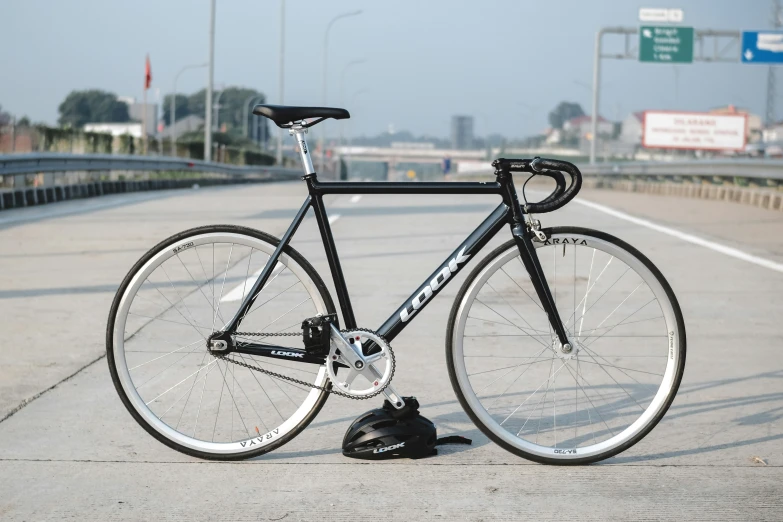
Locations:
(342, 90)
(280, 79)
(173, 111)
(324, 97)
(208, 104)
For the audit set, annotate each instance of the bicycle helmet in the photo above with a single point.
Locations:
(387, 433)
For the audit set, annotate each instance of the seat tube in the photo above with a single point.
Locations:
(527, 252)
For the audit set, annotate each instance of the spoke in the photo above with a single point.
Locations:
(506, 367)
(198, 411)
(164, 370)
(590, 287)
(222, 286)
(615, 380)
(593, 405)
(512, 382)
(621, 304)
(220, 401)
(195, 379)
(180, 382)
(584, 299)
(629, 369)
(595, 338)
(605, 292)
(512, 308)
(198, 285)
(274, 296)
(166, 354)
(168, 321)
(534, 392)
(543, 332)
(546, 392)
(512, 369)
(535, 302)
(263, 390)
(185, 406)
(624, 323)
(180, 299)
(192, 325)
(510, 323)
(286, 313)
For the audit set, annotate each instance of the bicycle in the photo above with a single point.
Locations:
(567, 371)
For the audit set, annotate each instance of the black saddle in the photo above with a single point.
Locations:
(285, 115)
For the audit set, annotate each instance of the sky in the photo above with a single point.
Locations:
(505, 62)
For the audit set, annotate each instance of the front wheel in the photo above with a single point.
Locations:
(617, 381)
(173, 299)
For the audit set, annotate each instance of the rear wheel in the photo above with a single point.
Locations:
(609, 391)
(180, 292)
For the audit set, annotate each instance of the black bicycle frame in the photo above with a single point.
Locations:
(508, 212)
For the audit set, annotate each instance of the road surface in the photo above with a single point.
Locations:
(69, 449)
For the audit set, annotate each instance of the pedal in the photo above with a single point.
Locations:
(316, 332)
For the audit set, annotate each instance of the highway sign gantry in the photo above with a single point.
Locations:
(665, 44)
(762, 47)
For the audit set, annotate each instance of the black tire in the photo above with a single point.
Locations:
(450, 357)
(166, 243)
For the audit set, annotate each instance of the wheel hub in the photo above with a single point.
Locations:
(566, 351)
(220, 343)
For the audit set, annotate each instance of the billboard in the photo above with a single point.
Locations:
(694, 130)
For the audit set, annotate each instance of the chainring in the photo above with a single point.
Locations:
(371, 380)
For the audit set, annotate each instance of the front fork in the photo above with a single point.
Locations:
(527, 251)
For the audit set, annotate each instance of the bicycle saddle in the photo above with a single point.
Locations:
(284, 115)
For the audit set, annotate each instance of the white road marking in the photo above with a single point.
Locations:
(717, 247)
(356, 198)
(239, 291)
(334, 218)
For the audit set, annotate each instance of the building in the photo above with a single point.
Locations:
(462, 132)
(115, 129)
(632, 127)
(136, 113)
(581, 126)
(187, 124)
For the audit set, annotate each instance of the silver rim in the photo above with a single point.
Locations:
(585, 403)
(180, 296)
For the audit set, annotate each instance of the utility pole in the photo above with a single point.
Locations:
(280, 78)
(771, 83)
(208, 104)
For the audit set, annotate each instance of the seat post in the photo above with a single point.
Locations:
(304, 152)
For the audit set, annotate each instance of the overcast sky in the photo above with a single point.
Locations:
(506, 62)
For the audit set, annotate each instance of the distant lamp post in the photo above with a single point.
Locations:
(342, 90)
(325, 69)
(173, 111)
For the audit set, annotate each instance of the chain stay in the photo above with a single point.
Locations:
(305, 383)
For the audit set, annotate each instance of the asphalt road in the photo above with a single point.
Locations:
(69, 449)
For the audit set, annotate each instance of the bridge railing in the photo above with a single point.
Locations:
(35, 179)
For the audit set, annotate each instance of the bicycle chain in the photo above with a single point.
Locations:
(305, 383)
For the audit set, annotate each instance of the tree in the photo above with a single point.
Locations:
(5, 118)
(232, 107)
(564, 112)
(182, 108)
(92, 106)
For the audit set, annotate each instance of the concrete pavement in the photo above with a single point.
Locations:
(74, 452)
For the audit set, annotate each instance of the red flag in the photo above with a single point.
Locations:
(147, 74)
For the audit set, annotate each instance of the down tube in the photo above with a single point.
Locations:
(443, 275)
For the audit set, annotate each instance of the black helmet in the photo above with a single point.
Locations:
(386, 433)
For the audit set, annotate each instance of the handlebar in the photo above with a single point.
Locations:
(550, 168)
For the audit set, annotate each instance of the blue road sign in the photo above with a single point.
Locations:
(763, 47)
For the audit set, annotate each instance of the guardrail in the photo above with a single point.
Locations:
(729, 168)
(35, 179)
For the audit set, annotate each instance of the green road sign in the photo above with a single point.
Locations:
(665, 44)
